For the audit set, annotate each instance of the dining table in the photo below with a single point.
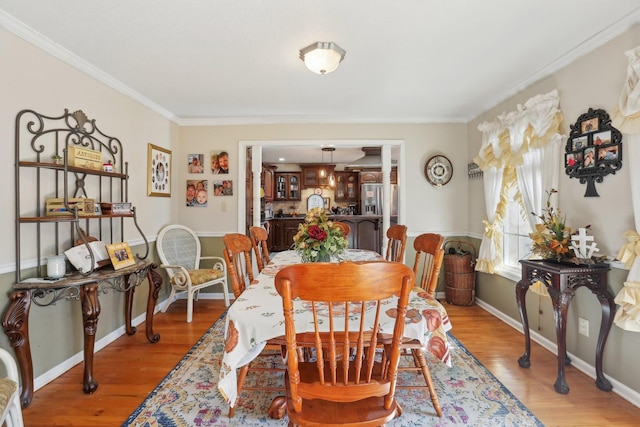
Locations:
(257, 316)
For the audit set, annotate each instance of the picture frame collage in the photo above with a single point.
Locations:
(199, 190)
(593, 149)
(593, 146)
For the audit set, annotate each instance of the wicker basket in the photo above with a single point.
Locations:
(460, 276)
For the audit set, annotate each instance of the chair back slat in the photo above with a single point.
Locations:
(346, 321)
(344, 227)
(259, 237)
(237, 255)
(429, 255)
(396, 243)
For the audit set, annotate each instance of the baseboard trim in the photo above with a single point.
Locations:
(620, 389)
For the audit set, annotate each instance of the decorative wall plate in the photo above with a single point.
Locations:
(317, 191)
(438, 170)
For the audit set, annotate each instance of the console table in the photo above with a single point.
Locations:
(86, 289)
(562, 280)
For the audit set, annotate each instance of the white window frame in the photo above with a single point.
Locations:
(513, 201)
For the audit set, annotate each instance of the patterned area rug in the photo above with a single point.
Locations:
(469, 394)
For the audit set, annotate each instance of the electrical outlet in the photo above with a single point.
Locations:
(583, 326)
(223, 206)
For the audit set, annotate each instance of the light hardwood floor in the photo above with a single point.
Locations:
(131, 367)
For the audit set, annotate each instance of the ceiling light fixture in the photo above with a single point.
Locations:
(323, 172)
(322, 57)
(332, 178)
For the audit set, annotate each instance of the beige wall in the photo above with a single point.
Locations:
(595, 81)
(442, 210)
(35, 80)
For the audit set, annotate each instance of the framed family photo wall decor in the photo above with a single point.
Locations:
(158, 171)
(593, 149)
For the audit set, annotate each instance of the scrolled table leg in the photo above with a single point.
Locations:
(155, 283)
(90, 313)
(15, 322)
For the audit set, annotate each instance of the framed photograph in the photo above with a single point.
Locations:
(602, 138)
(590, 125)
(589, 158)
(219, 162)
(327, 203)
(158, 171)
(608, 153)
(580, 143)
(197, 193)
(223, 188)
(120, 255)
(195, 164)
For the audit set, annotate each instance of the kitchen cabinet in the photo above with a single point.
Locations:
(375, 177)
(267, 180)
(366, 232)
(347, 187)
(311, 175)
(282, 232)
(287, 186)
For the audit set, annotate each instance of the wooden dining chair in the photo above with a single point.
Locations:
(237, 254)
(179, 251)
(429, 255)
(344, 227)
(396, 242)
(346, 385)
(259, 236)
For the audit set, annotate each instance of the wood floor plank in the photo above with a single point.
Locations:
(131, 367)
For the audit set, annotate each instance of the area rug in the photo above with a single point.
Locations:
(188, 396)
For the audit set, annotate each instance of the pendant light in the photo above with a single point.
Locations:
(323, 172)
(332, 178)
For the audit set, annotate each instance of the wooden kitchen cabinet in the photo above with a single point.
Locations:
(375, 177)
(267, 180)
(282, 232)
(287, 186)
(311, 175)
(347, 187)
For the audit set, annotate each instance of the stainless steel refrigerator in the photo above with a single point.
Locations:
(371, 199)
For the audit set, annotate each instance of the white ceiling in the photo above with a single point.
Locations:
(236, 61)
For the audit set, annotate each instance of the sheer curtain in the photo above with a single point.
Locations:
(528, 140)
(626, 118)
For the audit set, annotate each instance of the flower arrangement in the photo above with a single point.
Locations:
(552, 238)
(318, 239)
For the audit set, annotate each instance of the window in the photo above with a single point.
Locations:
(516, 243)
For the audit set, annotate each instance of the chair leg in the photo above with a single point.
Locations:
(242, 375)
(190, 306)
(169, 300)
(422, 363)
(225, 290)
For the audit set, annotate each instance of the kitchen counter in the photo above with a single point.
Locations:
(366, 231)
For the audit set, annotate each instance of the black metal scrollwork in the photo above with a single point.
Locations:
(593, 150)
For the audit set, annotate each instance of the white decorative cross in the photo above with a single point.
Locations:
(582, 248)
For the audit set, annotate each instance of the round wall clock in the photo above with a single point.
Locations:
(438, 170)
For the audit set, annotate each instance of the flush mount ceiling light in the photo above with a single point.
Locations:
(322, 57)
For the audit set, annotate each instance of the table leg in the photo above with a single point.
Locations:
(608, 309)
(15, 322)
(521, 291)
(155, 283)
(90, 313)
(561, 302)
(128, 306)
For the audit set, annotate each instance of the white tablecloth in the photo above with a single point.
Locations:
(256, 316)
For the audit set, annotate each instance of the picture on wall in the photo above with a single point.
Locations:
(223, 188)
(197, 195)
(158, 171)
(195, 163)
(219, 162)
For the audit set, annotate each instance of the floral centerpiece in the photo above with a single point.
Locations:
(318, 239)
(552, 238)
